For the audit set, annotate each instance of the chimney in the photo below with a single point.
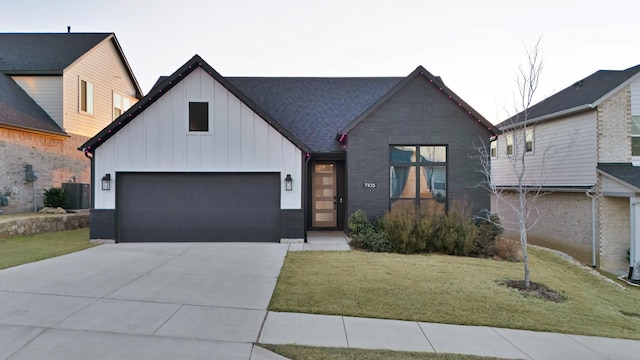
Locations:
(68, 29)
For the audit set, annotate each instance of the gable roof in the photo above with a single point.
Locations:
(585, 94)
(315, 109)
(438, 83)
(19, 110)
(51, 53)
(625, 172)
(165, 84)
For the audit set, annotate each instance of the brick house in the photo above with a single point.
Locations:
(583, 148)
(56, 91)
(264, 159)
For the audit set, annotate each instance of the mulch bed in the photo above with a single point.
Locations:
(540, 291)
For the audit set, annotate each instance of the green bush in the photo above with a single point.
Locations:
(358, 222)
(488, 232)
(457, 232)
(56, 197)
(403, 236)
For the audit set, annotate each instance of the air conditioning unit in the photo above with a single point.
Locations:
(79, 195)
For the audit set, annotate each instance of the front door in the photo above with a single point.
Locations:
(324, 197)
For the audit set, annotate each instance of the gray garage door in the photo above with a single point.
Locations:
(198, 207)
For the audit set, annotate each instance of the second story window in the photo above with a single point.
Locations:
(635, 135)
(120, 105)
(494, 149)
(86, 97)
(198, 116)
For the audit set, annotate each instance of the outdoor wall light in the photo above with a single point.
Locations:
(106, 182)
(288, 183)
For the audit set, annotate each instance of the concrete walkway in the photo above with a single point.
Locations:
(209, 301)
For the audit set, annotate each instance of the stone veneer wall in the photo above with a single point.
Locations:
(41, 223)
(614, 128)
(565, 223)
(614, 223)
(56, 159)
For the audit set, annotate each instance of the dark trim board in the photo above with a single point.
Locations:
(198, 207)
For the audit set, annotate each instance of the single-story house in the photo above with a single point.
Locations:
(210, 158)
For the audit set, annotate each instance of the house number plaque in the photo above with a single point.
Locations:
(369, 185)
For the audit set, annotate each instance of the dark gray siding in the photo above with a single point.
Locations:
(292, 223)
(102, 224)
(419, 113)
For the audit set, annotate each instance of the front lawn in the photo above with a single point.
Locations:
(17, 251)
(456, 290)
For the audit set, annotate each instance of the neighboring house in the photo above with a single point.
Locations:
(208, 158)
(56, 91)
(589, 138)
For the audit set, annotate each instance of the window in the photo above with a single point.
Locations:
(120, 105)
(494, 149)
(86, 97)
(198, 116)
(509, 138)
(528, 141)
(635, 135)
(418, 178)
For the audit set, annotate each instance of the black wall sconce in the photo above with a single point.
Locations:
(288, 183)
(106, 182)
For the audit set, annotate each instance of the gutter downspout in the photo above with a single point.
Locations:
(305, 195)
(593, 229)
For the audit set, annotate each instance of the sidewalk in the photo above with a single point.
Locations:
(351, 332)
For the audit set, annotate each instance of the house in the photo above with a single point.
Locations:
(583, 149)
(56, 91)
(204, 157)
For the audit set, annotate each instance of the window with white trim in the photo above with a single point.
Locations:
(86, 97)
(635, 135)
(493, 149)
(509, 139)
(120, 104)
(528, 140)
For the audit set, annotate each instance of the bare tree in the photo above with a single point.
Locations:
(519, 142)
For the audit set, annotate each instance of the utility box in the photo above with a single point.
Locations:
(79, 195)
(29, 174)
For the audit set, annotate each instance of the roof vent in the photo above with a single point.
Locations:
(579, 84)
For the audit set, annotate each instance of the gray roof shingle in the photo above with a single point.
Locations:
(18, 109)
(315, 109)
(44, 53)
(579, 95)
(623, 171)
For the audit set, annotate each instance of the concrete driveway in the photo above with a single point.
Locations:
(140, 301)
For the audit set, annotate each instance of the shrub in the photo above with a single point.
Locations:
(56, 197)
(372, 240)
(488, 232)
(508, 250)
(456, 233)
(400, 226)
(358, 222)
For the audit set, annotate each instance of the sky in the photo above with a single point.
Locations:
(474, 46)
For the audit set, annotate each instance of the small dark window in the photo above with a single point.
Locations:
(198, 116)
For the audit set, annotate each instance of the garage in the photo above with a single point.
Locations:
(196, 207)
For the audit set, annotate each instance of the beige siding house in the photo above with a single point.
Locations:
(581, 149)
(72, 85)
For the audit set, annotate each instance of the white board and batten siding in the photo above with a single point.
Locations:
(46, 91)
(564, 154)
(238, 140)
(102, 67)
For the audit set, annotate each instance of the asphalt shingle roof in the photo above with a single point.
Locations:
(25, 53)
(582, 93)
(315, 109)
(623, 171)
(18, 109)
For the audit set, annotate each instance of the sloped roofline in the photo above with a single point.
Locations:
(420, 71)
(163, 86)
(112, 37)
(570, 111)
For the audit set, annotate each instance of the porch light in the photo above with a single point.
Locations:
(288, 183)
(106, 182)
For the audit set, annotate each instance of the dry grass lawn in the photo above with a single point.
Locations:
(456, 290)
